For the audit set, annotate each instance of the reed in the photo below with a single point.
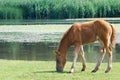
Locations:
(58, 9)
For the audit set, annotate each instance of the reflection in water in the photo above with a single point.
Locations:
(26, 51)
(45, 51)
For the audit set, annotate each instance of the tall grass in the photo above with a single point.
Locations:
(58, 9)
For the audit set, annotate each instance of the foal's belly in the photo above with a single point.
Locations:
(88, 38)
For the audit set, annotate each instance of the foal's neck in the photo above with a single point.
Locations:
(63, 46)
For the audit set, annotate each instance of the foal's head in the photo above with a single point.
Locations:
(60, 61)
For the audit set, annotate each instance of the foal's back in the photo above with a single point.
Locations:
(89, 32)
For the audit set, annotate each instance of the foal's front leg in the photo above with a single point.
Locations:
(83, 58)
(77, 48)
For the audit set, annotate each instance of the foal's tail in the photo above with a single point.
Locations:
(113, 36)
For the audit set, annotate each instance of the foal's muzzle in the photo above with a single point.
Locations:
(59, 69)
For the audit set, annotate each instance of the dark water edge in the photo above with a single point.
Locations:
(54, 21)
(45, 52)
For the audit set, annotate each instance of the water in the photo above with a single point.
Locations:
(38, 42)
(45, 51)
(26, 51)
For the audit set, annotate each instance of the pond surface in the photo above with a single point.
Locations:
(38, 42)
(45, 51)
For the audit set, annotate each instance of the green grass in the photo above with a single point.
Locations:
(45, 70)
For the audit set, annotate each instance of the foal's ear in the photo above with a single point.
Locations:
(57, 52)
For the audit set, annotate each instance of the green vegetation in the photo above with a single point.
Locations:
(58, 9)
(45, 70)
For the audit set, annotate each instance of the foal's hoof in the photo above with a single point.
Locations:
(70, 72)
(82, 70)
(93, 71)
(108, 70)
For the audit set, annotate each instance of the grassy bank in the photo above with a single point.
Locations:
(45, 70)
(58, 9)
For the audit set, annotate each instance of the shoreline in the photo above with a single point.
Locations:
(54, 21)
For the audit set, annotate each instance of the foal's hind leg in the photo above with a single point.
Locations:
(102, 53)
(77, 48)
(109, 52)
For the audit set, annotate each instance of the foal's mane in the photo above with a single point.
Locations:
(66, 36)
